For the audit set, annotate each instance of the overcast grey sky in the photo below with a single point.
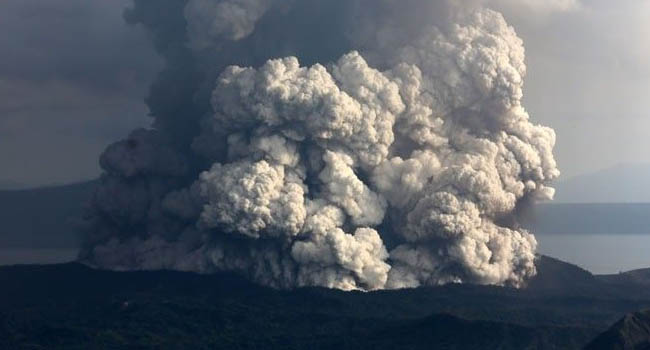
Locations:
(73, 76)
(589, 78)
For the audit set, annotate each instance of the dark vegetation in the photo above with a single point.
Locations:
(71, 306)
(632, 332)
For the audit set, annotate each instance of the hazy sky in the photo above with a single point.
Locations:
(589, 78)
(73, 77)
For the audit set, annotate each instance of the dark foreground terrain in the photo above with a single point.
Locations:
(632, 332)
(71, 306)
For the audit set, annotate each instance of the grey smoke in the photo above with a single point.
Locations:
(377, 148)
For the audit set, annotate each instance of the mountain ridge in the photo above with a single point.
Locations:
(632, 332)
(620, 183)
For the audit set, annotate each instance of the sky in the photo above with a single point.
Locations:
(589, 78)
(73, 77)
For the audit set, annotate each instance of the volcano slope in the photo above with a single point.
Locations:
(631, 332)
(71, 306)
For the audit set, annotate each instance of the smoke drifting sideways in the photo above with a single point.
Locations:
(351, 144)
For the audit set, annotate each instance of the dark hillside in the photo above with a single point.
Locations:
(639, 277)
(632, 332)
(71, 306)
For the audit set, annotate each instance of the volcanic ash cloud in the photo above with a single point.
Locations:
(395, 158)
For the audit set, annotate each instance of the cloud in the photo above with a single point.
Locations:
(389, 158)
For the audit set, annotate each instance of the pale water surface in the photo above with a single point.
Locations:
(600, 254)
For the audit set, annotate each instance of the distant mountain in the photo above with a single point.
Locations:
(556, 277)
(11, 185)
(42, 217)
(639, 277)
(71, 306)
(632, 332)
(588, 218)
(622, 183)
(559, 277)
(46, 217)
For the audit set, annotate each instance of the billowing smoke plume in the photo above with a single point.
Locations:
(353, 144)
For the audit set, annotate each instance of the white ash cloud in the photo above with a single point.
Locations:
(252, 199)
(398, 164)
